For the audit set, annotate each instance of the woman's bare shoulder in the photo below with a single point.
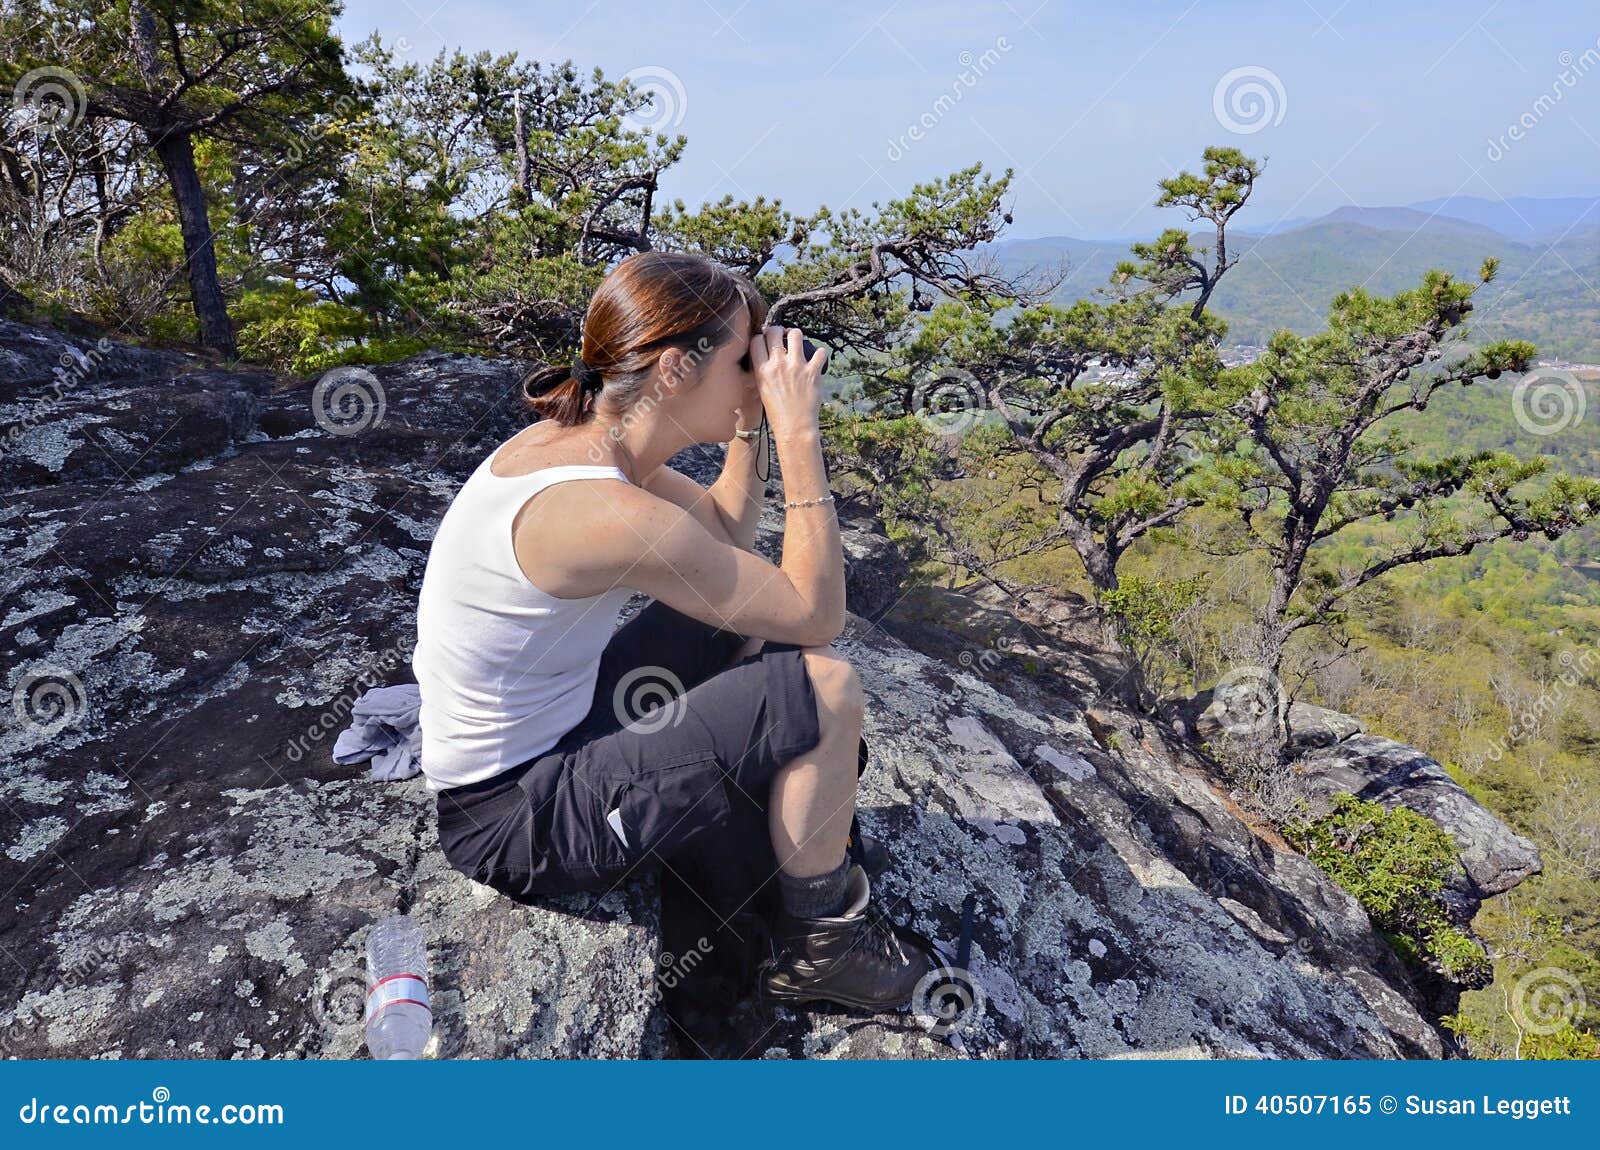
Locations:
(577, 538)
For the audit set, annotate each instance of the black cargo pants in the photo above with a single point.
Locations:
(671, 768)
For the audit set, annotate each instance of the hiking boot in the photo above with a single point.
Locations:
(858, 958)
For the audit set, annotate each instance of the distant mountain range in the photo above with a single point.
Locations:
(1547, 291)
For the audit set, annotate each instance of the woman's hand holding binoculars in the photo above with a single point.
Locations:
(789, 381)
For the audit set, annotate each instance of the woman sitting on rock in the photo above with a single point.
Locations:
(551, 777)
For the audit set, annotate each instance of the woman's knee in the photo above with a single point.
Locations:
(834, 680)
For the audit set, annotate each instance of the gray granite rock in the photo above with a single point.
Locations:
(187, 873)
(1313, 726)
(1493, 858)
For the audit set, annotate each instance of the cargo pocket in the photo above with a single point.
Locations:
(661, 809)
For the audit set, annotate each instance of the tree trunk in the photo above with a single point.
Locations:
(1275, 638)
(176, 150)
(1101, 568)
(1100, 564)
(524, 170)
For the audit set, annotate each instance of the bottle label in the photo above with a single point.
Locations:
(396, 988)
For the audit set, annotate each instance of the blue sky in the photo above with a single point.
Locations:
(840, 103)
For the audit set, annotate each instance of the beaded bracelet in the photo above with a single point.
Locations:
(809, 502)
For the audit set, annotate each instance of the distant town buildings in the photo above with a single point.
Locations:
(1583, 369)
(1242, 353)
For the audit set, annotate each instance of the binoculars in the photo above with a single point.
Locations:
(807, 348)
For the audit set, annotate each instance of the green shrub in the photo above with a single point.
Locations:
(1149, 608)
(1395, 862)
(290, 329)
(1568, 1043)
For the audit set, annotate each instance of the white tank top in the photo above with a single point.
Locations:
(503, 669)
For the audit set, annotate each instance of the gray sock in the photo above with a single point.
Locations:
(819, 896)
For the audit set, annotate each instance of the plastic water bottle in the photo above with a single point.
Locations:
(399, 1019)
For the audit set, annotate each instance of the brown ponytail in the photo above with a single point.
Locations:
(647, 303)
(555, 394)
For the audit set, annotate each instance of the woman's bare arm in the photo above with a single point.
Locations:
(730, 508)
(664, 551)
(737, 492)
(656, 546)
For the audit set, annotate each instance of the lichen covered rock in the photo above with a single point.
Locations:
(191, 606)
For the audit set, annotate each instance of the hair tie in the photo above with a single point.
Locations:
(589, 378)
